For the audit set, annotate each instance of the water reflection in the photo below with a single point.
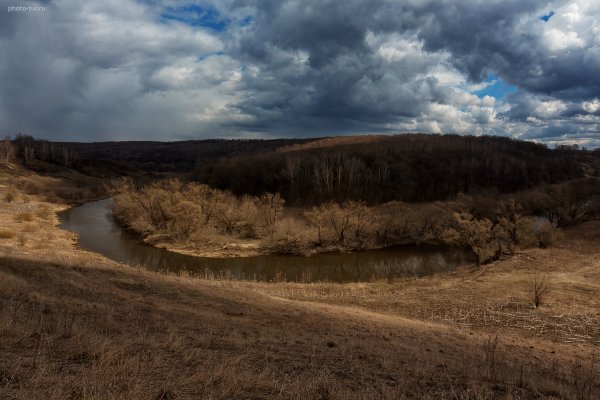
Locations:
(98, 232)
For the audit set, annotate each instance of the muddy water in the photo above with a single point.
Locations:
(99, 232)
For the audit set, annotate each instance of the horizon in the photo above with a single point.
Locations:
(141, 70)
(554, 146)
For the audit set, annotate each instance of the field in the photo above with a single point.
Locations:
(74, 324)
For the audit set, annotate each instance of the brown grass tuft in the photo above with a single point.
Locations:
(6, 234)
(44, 212)
(24, 217)
(10, 196)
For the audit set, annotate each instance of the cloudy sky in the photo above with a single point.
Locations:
(92, 70)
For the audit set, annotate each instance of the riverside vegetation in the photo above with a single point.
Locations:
(74, 324)
(195, 218)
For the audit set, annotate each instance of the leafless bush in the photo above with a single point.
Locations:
(270, 207)
(490, 348)
(31, 227)
(545, 235)
(347, 225)
(10, 196)
(584, 379)
(290, 237)
(539, 288)
(24, 217)
(475, 234)
(7, 151)
(44, 212)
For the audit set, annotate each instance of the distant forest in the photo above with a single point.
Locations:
(405, 168)
(306, 172)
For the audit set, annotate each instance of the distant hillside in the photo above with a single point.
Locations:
(412, 167)
(174, 156)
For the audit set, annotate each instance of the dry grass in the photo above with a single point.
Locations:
(62, 186)
(495, 296)
(44, 212)
(76, 325)
(86, 328)
(6, 234)
(24, 217)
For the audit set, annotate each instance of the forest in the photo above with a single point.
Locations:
(408, 168)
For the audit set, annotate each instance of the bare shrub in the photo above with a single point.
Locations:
(346, 225)
(7, 151)
(291, 237)
(539, 288)
(361, 220)
(206, 198)
(490, 348)
(34, 189)
(476, 235)
(513, 228)
(316, 218)
(30, 228)
(185, 221)
(393, 222)
(545, 235)
(24, 217)
(236, 217)
(269, 207)
(10, 196)
(44, 212)
(584, 379)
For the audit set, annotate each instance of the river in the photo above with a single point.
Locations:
(99, 232)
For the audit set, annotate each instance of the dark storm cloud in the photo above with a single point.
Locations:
(345, 80)
(318, 70)
(169, 69)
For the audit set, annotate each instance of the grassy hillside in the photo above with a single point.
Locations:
(76, 325)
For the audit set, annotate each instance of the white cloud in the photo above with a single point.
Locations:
(591, 106)
(556, 40)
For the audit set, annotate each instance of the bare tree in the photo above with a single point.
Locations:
(7, 151)
(291, 171)
(270, 207)
(316, 218)
(206, 198)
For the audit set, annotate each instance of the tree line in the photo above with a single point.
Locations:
(27, 150)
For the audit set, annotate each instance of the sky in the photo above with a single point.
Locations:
(98, 70)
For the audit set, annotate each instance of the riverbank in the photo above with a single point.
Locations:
(75, 324)
(98, 232)
(196, 219)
